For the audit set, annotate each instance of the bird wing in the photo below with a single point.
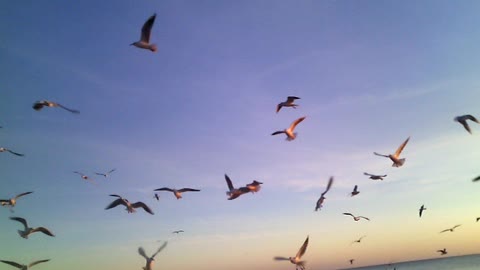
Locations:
(37, 262)
(355, 189)
(476, 179)
(456, 226)
(147, 28)
(229, 183)
(111, 171)
(368, 174)
(375, 153)
(400, 148)
(471, 117)
(115, 203)
(295, 123)
(160, 249)
(279, 106)
(278, 132)
(78, 173)
(115, 195)
(144, 206)
(281, 258)
(15, 153)
(164, 189)
(302, 249)
(291, 99)
(23, 194)
(348, 214)
(38, 105)
(12, 263)
(43, 230)
(364, 218)
(102, 174)
(68, 109)
(141, 251)
(466, 126)
(187, 189)
(329, 185)
(21, 220)
(446, 230)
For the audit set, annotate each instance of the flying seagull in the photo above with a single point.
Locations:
(177, 193)
(232, 192)
(463, 120)
(442, 251)
(179, 231)
(144, 42)
(24, 266)
(355, 191)
(358, 240)
(45, 103)
(254, 186)
(374, 176)
(420, 211)
(289, 103)
(322, 196)
(27, 230)
(3, 149)
(351, 261)
(296, 260)
(451, 229)
(11, 202)
(130, 206)
(105, 174)
(289, 131)
(150, 260)
(356, 218)
(397, 162)
(84, 177)
(476, 179)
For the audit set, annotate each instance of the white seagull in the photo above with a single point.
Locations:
(84, 177)
(45, 103)
(27, 230)
(232, 192)
(356, 218)
(177, 193)
(463, 120)
(451, 229)
(3, 149)
(374, 176)
(397, 161)
(105, 174)
(289, 131)
(150, 260)
(296, 260)
(11, 202)
(355, 191)
(289, 103)
(144, 42)
(130, 206)
(322, 196)
(24, 266)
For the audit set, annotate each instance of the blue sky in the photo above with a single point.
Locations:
(369, 74)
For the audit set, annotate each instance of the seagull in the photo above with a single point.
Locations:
(296, 260)
(289, 131)
(179, 231)
(11, 202)
(397, 162)
(476, 179)
(322, 196)
(358, 240)
(289, 103)
(45, 103)
(150, 260)
(144, 42)
(3, 149)
(84, 177)
(27, 230)
(420, 211)
(130, 206)
(24, 266)
(254, 186)
(451, 229)
(463, 120)
(442, 251)
(177, 193)
(105, 174)
(355, 191)
(375, 177)
(478, 218)
(356, 218)
(351, 261)
(232, 192)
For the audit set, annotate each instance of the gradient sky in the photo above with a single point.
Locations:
(369, 74)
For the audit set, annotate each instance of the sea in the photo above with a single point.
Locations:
(467, 262)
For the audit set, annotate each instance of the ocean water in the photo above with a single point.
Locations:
(468, 262)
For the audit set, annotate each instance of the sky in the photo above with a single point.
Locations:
(369, 73)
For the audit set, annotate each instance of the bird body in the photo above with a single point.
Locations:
(297, 259)
(463, 120)
(27, 230)
(289, 103)
(289, 131)
(130, 207)
(254, 186)
(177, 193)
(144, 42)
(395, 158)
(322, 198)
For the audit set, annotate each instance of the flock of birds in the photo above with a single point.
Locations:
(232, 193)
